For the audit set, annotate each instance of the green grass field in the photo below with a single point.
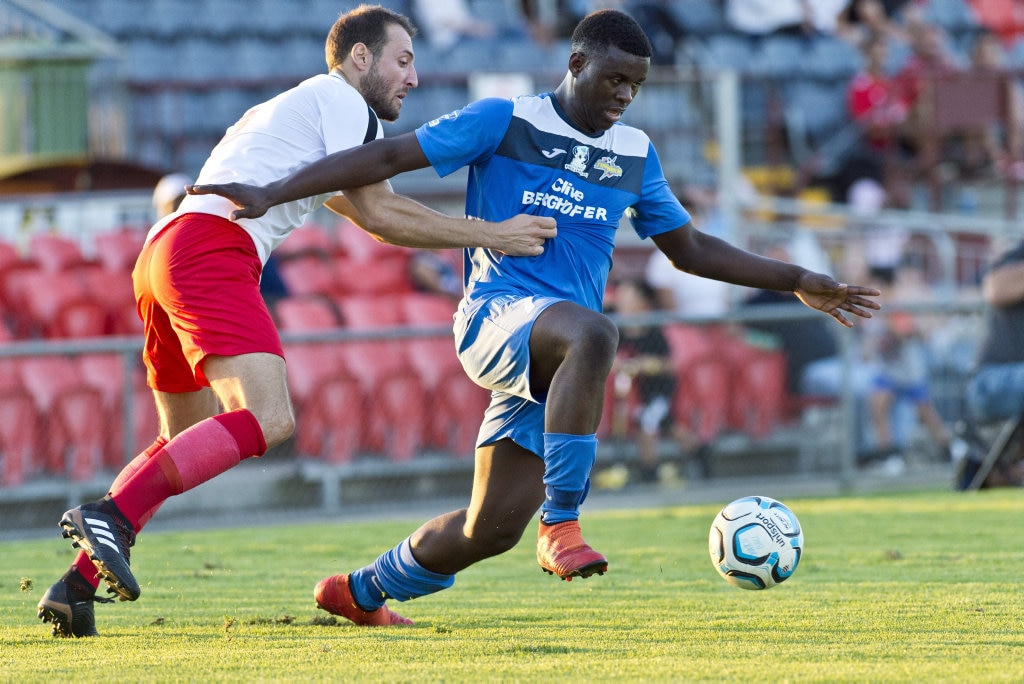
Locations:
(915, 587)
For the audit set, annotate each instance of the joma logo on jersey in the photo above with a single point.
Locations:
(608, 167)
(580, 157)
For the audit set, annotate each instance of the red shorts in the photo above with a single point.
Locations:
(197, 289)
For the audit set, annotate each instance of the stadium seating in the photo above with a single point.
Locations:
(309, 273)
(307, 238)
(117, 250)
(55, 253)
(18, 427)
(70, 417)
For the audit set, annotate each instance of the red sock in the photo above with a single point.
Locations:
(200, 453)
(85, 566)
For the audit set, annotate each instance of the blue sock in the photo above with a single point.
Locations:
(395, 574)
(568, 460)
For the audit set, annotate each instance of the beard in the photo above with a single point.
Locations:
(377, 93)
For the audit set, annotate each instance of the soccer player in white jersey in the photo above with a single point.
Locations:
(209, 338)
(531, 328)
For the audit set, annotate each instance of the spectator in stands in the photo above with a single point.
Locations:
(930, 57)
(901, 373)
(213, 356)
(643, 363)
(995, 390)
(446, 23)
(550, 20)
(876, 104)
(169, 192)
(683, 293)
(430, 271)
(1005, 18)
(661, 26)
(998, 147)
(799, 17)
(865, 21)
(813, 365)
(532, 330)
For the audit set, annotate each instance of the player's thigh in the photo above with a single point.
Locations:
(508, 487)
(568, 326)
(181, 410)
(257, 382)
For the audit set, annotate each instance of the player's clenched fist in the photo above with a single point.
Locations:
(523, 234)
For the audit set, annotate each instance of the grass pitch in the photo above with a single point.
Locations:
(903, 588)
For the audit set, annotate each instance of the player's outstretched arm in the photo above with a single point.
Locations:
(695, 252)
(399, 220)
(362, 165)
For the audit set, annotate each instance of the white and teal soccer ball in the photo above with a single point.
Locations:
(756, 542)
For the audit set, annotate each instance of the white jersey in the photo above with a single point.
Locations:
(320, 116)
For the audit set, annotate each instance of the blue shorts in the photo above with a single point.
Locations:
(916, 392)
(492, 338)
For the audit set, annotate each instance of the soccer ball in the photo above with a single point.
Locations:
(755, 542)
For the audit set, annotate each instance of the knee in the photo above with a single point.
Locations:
(599, 340)
(277, 427)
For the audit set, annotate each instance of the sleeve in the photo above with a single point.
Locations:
(466, 136)
(658, 210)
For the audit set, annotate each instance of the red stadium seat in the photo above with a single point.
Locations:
(9, 255)
(371, 312)
(115, 293)
(328, 401)
(686, 342)
(80, 318)
(105, 373)
(56, 253)
(117, 250)
(759, 392)
(395, 394)
(329, 406)
(306, 312)
(387, 274)
(47, 293)
(309, 274)
(456, 403)
(701, 403)
(422, 309)
(19, 423)
(68, 410)
(308, 239)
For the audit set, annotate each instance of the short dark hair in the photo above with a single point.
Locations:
(599, 30)
(366, 24)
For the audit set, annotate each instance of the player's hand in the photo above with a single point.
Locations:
(523, 234)
(252, 201)
(821, 292)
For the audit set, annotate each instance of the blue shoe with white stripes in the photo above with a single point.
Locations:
(101, 531)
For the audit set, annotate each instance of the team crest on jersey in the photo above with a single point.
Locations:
(580, 157)
(449, 115)
(608, 168)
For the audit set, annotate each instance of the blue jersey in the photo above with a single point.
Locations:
(525, 157)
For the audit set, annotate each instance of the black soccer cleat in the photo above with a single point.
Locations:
(68, 604)
(106, 536)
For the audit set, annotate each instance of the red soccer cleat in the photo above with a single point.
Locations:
(333, 595)
(561, 551)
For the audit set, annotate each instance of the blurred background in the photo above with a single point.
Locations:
(879, 141)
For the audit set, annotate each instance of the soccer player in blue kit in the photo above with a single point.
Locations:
(530, 329)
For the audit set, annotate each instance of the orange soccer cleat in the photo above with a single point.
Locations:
(333, 595)
(561, 551)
